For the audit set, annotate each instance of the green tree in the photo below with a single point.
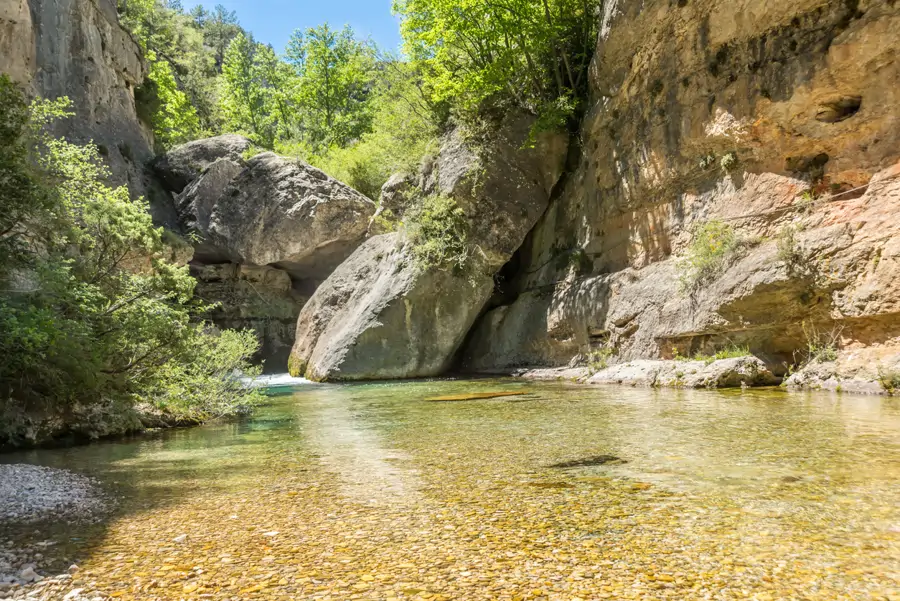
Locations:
(219, 28)
(243, 97)
(278, 82)
(193, 45)
(402, 132)
(533, 53)
(335, 75)
(175, 120)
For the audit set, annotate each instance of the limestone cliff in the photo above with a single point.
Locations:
(77, 48)
(779, 119)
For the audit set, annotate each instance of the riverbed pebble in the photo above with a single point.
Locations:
(29, 493)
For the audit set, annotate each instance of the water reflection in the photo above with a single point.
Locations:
(354, 451)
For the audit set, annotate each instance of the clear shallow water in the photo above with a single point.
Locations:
(371, 492)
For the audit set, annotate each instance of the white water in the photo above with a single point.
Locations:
(272, 380)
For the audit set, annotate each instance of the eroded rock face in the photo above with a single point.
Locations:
(717, 111)
(872, 370)
(253, 297)
(724, 373)
(266, 232)
(380, 315)
(76, 48)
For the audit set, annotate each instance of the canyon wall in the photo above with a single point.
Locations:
(776, 120)
(76, 48)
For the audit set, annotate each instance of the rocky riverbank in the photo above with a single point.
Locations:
(31, 494)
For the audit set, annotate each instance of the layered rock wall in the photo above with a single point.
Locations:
(779, 120)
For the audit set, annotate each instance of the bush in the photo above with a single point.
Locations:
(821, 347)
(207, 383)
(714, 243)
(92, 312)
(439, 233)
(599, 359)
(788, 247)
(730, 352)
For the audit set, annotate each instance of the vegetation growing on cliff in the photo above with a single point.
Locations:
(91, 311)
(438, 230)
(713, 244)
(338, 103)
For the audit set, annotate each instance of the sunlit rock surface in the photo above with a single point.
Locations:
(380, 315)
(765, 116)
(266, 231)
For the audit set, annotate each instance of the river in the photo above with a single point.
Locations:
(565, 492)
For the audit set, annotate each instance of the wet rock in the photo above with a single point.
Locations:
(725, 373)
(589, 462)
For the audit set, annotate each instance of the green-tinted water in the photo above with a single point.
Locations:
(371, 492)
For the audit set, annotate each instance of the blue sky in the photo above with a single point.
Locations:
(272, 21)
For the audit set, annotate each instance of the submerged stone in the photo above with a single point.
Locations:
(474, 396)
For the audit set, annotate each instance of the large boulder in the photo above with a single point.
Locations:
(196, 203)
(289, 214)
(381, 314)
(266, 231)
(184, 164)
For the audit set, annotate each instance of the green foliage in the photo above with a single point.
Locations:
(788, 248)
(205, 385)
(175, 120)
(732, 351)
(530, 53)
(438, 230)
(599, 359)
(729, 162)
(889, 380)
(402, 133)
(714, 243)
(821, 346)
(334, 72)
(243, 96)
(190, 50)
(22, 200)
(729, 352)
(91, 311)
